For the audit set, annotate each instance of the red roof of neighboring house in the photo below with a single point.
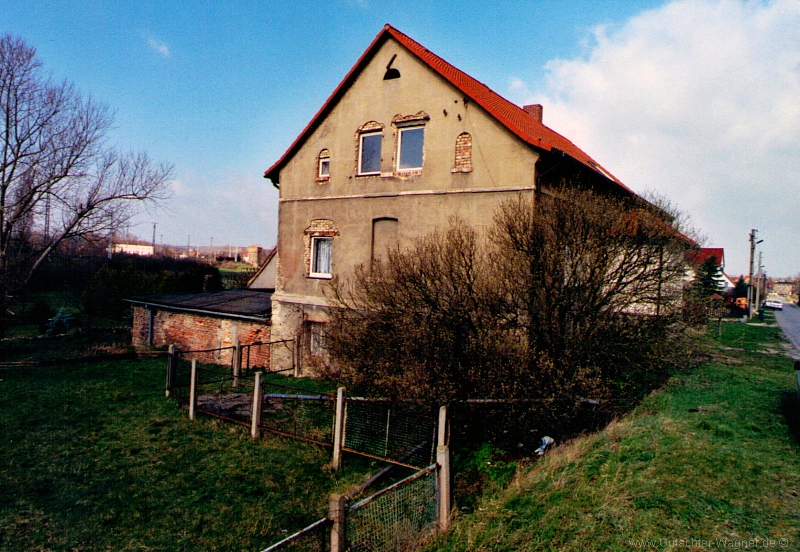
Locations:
(699, 256)
(513, 117)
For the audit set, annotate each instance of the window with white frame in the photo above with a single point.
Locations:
(321, 250)
(324, 165)
(369, 153)
(410, 147)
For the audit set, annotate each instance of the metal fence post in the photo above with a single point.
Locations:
(236, 362)
(337, 513)
(258, 404)
(193, 391)
(172, 367)
(338, 430)
(443, 460)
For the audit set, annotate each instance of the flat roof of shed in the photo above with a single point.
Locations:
(232, 303)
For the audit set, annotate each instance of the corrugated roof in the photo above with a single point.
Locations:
(513, 117)
(236, 302)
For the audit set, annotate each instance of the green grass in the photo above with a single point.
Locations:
(94, 457)
(713, 455)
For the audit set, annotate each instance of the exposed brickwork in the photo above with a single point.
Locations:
(324, 155)
(319, 228)
(194, 332)
(463, 162)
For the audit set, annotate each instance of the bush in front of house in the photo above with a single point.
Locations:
(569, 308)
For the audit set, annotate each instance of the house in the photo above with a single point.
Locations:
(402, 144)
(697, 257)
(134, 249)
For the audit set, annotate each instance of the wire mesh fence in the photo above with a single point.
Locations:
(396, 518)
(298, 413)
(220, 393)
(404, 434)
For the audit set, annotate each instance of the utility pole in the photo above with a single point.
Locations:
(758, 282)
(154, 239)
(750, 290)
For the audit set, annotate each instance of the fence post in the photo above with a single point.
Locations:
(337, 513)
(193, 391)
(236, 363)
(295, 358)
(443, 460)
(172, 366)
(258, 404)
(338, 430)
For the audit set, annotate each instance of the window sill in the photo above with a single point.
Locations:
(321, 276)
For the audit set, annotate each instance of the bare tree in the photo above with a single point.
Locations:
(569, 297)
(59, 179)
(595, 285)
(411, 326)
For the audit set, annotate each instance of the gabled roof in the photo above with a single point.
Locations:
(513, 117)
(699, 256)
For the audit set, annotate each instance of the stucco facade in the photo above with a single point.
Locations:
(470, 150)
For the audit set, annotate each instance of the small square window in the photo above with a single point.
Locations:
(369, 153)
(321, 249)
(324, 167)
(409, 156)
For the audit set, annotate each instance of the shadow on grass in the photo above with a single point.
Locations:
(790, 407)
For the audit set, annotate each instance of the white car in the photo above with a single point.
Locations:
(776, 304)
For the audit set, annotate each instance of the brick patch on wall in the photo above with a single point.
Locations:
(194, 332)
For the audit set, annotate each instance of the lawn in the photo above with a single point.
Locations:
(94, 457)
(712, 460)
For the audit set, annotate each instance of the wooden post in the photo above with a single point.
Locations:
(236, 363)
(172, 368)
(193, 391)
(337, 513)
(445, 501)
(258, 405)
(338, 430)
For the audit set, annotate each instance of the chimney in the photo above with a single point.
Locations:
(536, 111)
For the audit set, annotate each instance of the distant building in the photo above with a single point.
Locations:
(134, 249)
(255, 255)
(784, 289)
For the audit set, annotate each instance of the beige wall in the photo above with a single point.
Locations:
(502, 165)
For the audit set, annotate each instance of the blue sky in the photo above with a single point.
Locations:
(696, 100)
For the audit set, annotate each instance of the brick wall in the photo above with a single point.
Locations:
(195, 332)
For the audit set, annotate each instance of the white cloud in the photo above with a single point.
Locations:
(158, 46)
(698, 100)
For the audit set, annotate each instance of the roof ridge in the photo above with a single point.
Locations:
(510, 115)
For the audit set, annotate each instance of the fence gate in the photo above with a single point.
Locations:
(399, 433)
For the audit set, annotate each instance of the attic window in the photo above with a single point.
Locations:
(369, 153)
(410, 148)
(323, 165)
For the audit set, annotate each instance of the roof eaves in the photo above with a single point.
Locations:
(274, 171)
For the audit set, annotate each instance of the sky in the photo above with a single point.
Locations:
(694, 101)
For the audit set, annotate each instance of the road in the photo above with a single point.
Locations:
(789, 321)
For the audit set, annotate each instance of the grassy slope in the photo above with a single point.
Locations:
(93, 457)
(668, 470)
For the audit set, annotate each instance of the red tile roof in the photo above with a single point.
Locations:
(699, 256)
(513, 117)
